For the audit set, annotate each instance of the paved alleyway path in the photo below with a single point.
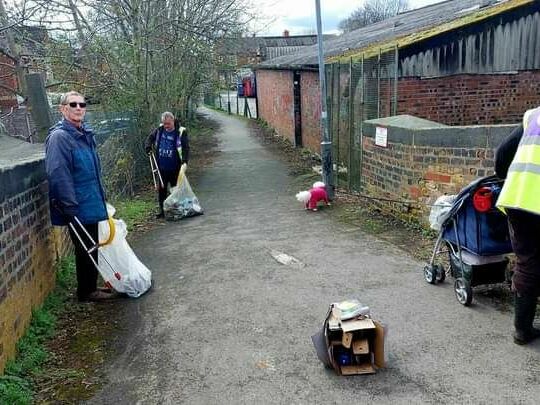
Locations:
(228, 324)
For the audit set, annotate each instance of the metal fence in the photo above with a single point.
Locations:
(106, 124)
(359, 90)
(230, 102)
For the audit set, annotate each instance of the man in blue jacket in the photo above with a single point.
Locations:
(75, 187)
(170, 144)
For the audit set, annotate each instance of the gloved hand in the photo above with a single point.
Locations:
(148, 150)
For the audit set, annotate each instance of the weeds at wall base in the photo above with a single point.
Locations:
(16, 385)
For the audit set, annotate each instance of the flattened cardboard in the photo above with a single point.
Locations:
(360, 346)
(357, 324)
(346, 340)
(365, 368)
(319, 341)
(379, 345)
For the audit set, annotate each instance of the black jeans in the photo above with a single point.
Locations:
(87, 274)
(525, 236)
(169, 178)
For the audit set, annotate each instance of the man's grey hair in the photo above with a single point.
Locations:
(167, 114)
(64, 97)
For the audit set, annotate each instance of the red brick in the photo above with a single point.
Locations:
(438, 177)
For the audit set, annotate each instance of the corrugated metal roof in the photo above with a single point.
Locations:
(405, 28)
(276, 51)
(254, 44)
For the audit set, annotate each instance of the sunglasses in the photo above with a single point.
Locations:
(74, 104)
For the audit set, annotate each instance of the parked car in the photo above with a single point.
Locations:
(105, 128)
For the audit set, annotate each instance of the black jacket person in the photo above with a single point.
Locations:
(516, 161)
(170, 145)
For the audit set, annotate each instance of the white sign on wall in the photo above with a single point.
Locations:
(381, 136)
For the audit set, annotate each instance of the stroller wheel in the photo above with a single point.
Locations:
(463, 291)
(430, 274)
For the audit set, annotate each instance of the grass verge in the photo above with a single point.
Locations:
(16, 385)
(136, 211)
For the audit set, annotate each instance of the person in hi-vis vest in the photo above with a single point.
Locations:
(518, 160)
(170, 144)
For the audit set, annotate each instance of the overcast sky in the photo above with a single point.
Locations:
(298, 16)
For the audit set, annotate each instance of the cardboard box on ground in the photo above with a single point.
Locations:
(350, 347)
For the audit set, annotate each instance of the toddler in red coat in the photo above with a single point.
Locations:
(312, 197)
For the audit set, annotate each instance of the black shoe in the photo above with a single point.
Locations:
(524, 311)
(98, 296)
(524, 337)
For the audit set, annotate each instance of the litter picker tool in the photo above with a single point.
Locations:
(91, 246)
(155, 171)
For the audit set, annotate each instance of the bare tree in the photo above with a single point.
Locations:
(146, 54)
(137, 56)
(372, 11)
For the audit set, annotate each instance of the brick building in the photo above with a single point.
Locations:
(459, 63)
(244, 53)
(8, 82)
(250, 51)
(30, 55)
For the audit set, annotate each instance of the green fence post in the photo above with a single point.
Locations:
(396, 79)
(338, 122)
(351, 125)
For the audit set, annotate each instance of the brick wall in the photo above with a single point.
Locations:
(470, 99)
(7, 78)
(275, 100)
(422, 164)
(29, 246)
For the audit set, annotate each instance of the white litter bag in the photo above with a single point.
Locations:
(182, 202)
(440, 210)
(131, 276)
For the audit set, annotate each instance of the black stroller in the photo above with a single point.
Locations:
(476, 236)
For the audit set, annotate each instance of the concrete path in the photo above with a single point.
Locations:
(228, 324)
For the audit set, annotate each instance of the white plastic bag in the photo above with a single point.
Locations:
(182, 202)
(440, 210)
(130, 275)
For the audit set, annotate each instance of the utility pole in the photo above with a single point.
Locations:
(326, 143)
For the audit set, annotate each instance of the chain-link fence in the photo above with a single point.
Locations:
(233, 94)
(120, 147)
(229, 101)
(359, 90)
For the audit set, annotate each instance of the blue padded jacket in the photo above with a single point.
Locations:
(74, 174)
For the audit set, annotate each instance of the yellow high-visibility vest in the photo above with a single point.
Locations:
(521, 189)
